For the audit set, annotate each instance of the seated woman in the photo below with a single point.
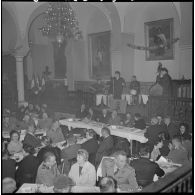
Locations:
(184, 131)
(155, 154)
(83, 173)
(91, 145)
(45, 122)
(30, 137)
(48, 170)
(15, 145)
(27, 168)
(55, 132)
(178, 153)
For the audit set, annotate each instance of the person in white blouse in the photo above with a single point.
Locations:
(83, 173)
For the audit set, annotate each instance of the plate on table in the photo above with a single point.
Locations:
(70, 120)
(113, 126)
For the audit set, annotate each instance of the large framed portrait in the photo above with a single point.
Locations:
(99, 55)
(159, 39)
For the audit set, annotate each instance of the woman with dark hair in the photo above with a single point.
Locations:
(184, 131)
(27, 168)
(15, 145)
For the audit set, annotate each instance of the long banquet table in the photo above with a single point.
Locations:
(120, 131)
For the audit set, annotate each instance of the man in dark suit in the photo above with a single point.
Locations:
(145, 169)
(91, 145)
(119, 169)
(139, 121)
(171, 128)
(153, 132)
(105, 147)
(82, 112)
(104, 116)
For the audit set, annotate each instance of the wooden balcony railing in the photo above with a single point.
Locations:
(176, 182)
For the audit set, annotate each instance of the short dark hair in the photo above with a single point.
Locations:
(119, 152)
(144, 150)
(158, 140)
(105, 129)
(106, 183)
(29, 149)
(91, 132)
(117, 72)
(137, 115)
(185, 125)
(14, 132)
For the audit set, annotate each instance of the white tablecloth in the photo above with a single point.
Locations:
(125, 132)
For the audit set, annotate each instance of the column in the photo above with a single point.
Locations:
(20, 79)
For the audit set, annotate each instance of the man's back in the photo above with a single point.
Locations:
(145, 171)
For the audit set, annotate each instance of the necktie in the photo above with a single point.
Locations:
(116, 171)
(80, 169)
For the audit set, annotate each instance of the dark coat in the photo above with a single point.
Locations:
(104, 119)
(8, 168)
(105, 148)
(140, 124)
(80, 114)
(145, 171)
(27, 170)
(172, 130)
(90, 145)
(166, 83)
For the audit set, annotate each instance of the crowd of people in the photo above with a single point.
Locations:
(76, 164)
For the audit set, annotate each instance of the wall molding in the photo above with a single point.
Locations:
(184, 47)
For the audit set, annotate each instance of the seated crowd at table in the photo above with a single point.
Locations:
(67, 159)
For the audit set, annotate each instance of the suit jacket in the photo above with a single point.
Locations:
(27, 170)
(87, 176)
(46, 175)
(140, 124)
(172, 130)
(104, 149)
(32, 140)
(70, 152)
(8, 168)
(125, 177)
(90, 145)
(145, 171)
(104, 119)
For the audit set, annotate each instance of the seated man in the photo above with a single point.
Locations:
(91, 145)
(145, 169)
(178, 153)
(30, 137)
(139, 121)
(134, 89)
(104, 117)
(82, 112)
(91, 115)
(55, 132)
(48, 170)
(105, 147)
(114, 119)
(152, 133)
(121, 171)
(49, 148)
(171, 128)
(128, 121)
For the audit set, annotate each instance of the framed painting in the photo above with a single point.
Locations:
(99, 55)
(159, 39)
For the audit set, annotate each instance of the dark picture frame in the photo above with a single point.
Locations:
(99, 56)
(159, 38)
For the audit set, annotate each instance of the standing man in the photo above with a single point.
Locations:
(117, 85)
(134, 89)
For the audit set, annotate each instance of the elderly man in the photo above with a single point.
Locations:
(104, 117)
(105, 147)
(121, 171)
(114, 119)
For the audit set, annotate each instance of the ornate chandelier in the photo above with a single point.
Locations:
(60, 23)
